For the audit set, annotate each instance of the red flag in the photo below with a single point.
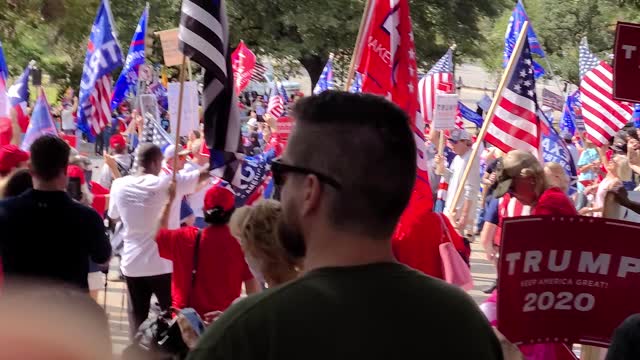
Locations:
(387, 62)
(243, 62)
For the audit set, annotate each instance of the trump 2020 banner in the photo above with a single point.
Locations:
(567, 279)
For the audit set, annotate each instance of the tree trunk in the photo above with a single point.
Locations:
(314, 65)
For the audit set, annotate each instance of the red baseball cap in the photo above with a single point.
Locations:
(10, 157)
(74, 171)
(219, 196)
(117, 141)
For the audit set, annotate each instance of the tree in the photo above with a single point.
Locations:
(307, 30)
(560, 25)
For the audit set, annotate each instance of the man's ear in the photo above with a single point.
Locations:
(311, 195)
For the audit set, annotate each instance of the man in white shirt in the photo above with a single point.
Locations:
(196, 200)
(137, 200)
(187, 180)
(464, 211)
(124, 161)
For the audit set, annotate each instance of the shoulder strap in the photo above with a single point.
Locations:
(194, 271)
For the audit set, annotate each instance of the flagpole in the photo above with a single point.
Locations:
(485, 126)
(175, 158)
(356, 49)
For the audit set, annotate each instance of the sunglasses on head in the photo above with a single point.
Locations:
(280, 169)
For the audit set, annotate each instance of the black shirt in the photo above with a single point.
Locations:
(376, 311)
(45, 235)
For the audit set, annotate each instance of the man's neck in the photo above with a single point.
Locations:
(48, 185)
(333, 249)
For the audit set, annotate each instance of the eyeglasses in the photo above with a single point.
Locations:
(280, 169)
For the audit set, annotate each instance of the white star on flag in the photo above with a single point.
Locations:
(412, 54)
(410, 71)
(527, 83)
(517, 88)
(530, 92)
(411, 35)
(523, 74)
(527, 61)
(410, 86)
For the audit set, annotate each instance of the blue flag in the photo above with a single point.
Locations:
(128, 81)
(356, 85)
(469, 114)
(41, 122)
(326, 78)
(554, 149)
(245, 174)
(283, 93)
(636, 115)
(571, 106)
(103, 57)
(4, 70)
(518, 17)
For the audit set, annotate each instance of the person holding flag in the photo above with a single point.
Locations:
(128, 81)
(103, 57)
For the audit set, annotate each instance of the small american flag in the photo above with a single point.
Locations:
(438, 80)
(587, 60)
(515, 124)
(275, 107)
(603, 116)
(258, 72)
(552, 100)
(152, 133)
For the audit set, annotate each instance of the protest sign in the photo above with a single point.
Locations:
(170, 48)
(568, 283)
(190, 115)
(626, 61)
(445, 111)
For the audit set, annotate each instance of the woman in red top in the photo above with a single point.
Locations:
(522, 176)
(221, 267)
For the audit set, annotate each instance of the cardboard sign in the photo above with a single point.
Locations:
(190, 115)
(626, 62)
(445, 111)
(170, 48)
(567, 279)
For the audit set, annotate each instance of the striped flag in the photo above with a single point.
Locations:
(514, 125)
(438, 80)
(587, 60)
(152, 133)
(103, 57)
(552, 100)
(204, 37)
(603, 116)
(258, 72)
(276, 105)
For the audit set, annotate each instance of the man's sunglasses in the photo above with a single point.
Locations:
(280, 169)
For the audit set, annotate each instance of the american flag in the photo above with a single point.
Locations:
(587, 60)
(603, 116)
(514, 125)
(204, 37)
(152, 133)
(552, 100)
(276, 105)
(438, 80)
(258, 72)
(103, 57)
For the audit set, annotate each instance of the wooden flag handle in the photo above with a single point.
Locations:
(175, 157)
(356, 49)
(487, 121)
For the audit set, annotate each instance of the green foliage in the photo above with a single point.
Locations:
(560, 25)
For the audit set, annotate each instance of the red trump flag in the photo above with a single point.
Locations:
(386, 58)
(243, 61)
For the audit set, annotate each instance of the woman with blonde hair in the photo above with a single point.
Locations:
(556, 176)
(256, 228)
(617, 169)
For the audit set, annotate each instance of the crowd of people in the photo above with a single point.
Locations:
(337, 258)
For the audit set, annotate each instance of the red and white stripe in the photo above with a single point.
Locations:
(275, 107)
(100, 99)
(603, 116)
(428, 87)
(515, 124)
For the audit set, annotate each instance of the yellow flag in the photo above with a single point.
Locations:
(164, 79)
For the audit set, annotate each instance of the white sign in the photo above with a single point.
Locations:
(190, 114)
(445, 112)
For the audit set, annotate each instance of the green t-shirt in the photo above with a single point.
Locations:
(376, 311)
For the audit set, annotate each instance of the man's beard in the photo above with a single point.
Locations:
(291, 239)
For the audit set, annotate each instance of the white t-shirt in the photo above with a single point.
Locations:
(186, 183)
(68, 122)
(196, 200)
(138, 201)
(106, 177)
(471, 186)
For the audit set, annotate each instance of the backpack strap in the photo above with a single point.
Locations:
(194, 271)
